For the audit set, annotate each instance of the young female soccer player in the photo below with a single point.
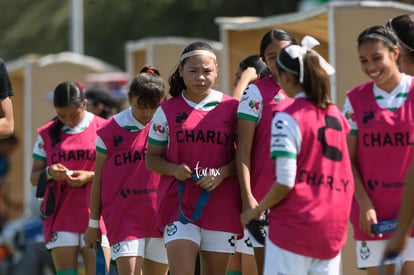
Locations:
(311, 199)
(380, 115)
(259, 103)
(123, 189)
(192, 145)
(64, 156)
(403, 26)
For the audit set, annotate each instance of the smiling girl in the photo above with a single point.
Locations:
(380, 114)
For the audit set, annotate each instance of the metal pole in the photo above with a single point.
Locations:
(76, 26)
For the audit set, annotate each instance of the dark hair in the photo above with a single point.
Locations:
(316, 83)
(403, 27)
(97, 96)
(275, 34)
(148, 86)
(67, 93)
(256, 62)
(378, 33)
(176, 82)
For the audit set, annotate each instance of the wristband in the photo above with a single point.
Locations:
(93, 223)
(48, 176)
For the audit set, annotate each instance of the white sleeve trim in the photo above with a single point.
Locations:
(348, 113)
(159, 120)
(286, 171)
(250, 97)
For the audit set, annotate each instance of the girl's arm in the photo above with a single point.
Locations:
(245, 135)
(37, 167)
(275, 195)
(156, 162)
(247, 76)
(93, 232)
(367, 212)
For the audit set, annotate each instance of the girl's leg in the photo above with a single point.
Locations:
(259, 257)
(182, 256)
(408, 268)
(248, 264)
(65, 258)
(389, 270)
(154, 268)
(214, 263)
(107, 255)
(235, 264)
(129, 265)
(89, 259)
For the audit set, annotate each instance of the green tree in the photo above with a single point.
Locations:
(42, 27)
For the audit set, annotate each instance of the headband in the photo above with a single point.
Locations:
(198, 52)
(381, 37)
(299, 52)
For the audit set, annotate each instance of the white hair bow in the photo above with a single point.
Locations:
(297, 51)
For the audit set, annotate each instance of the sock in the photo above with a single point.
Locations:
(67, 272)
(230, 272)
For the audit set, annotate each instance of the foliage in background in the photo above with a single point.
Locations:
(42, 27)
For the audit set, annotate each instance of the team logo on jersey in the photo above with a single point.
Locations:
(371, 184)
(181, 117)
(158, 129)
(171, 229)
(41, 146)
(367, 117)
(254, 104)
(279, 97)
(53, 237)
(350, 115)
(232, 241)
(125, 192)
(364, 251)
(116, 247)
(117, 140)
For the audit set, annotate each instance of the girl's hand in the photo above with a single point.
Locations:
(92, 235)
(368, 217)
(57, 171)
(210, 183)
(248, 215)
(78, 178)
(182, 172)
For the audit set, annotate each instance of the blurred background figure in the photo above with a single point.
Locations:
(7, 147)
(101, 103)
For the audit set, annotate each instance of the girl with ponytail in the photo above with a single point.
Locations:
(310, 200)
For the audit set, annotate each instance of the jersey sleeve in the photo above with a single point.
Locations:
(251, 104)
(38, 149)
(100, 146)
(349, 115)
(159, 132)
(286, 137)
